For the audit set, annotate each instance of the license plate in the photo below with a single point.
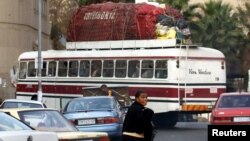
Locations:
(86, 121)
(241, 119)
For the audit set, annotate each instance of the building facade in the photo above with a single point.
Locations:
(19, 33)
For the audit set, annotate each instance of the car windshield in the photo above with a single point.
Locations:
(88, 104)
(21, 105)
(46, 120)
(234, 101)
(8, 123)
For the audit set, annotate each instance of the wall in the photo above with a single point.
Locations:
(18, 33)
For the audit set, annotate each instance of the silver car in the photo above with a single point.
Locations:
(12, 129)
(18, 103)
(96, 113)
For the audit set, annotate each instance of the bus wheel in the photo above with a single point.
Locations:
(165, 120)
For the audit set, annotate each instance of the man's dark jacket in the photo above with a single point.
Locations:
(135, 120)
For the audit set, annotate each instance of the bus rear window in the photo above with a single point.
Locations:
(147, 69)
(31, 69)
(133, 68)
(62, 69)
(84, 68)
(120, 68)
(73, 68)
(52, 69)
(161, 69)
(96, 67)
(23, 70)
(108, 68)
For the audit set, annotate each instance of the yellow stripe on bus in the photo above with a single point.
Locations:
(194, 107)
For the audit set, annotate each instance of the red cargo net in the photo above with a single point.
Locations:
(113, 21)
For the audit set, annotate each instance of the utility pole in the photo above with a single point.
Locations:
(39, 92)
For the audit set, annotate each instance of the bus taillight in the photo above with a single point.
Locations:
(222, 65)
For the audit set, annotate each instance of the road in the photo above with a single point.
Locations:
(184, 131)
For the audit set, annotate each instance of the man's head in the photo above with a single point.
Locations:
(34, 97)
(141, 97)
(104, 88)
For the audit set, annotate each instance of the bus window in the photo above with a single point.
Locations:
(31, 69)
(62, 68)
(147, 69)
(73, 68)
(108, 68)
(52, 69)
(161, 69)
(84, 68)
(96, 67)
(23, 70)
(133, 68)
(120, 68)
(44, 69)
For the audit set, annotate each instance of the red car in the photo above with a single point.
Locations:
(232, 109)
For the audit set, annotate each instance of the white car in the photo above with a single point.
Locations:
(18, 103)
(29, 135)
(45, 119)
(12, 129)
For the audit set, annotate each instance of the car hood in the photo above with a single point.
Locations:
(90, 114)
(80, 135)
(26, 134)
(231, 112)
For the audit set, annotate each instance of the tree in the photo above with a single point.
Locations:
(216, 25)
(60, 14)
(244, 13)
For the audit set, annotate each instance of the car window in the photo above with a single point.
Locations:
(46, 120)
(90, 104)
(8, 123)
(10, 105)
(234, 101)
(21, 105)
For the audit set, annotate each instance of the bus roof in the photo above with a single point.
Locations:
(199, 52)
(124, 44)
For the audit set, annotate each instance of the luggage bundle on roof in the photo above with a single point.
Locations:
(118, 21)
(113, 21)
(171, 25)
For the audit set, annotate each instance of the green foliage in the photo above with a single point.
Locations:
(60, 14)
(215, 25)
(83, 2)
(88, 2)
(244, 16)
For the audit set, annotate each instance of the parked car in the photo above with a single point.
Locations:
(232, 109)
(18, 103)
(44, 119)
(96, 113)
(12, 129)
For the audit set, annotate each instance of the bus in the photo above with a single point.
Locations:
(178, 78)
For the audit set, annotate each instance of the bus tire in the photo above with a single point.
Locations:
(165, 120)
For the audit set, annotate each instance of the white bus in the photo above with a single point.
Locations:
(184, 78)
